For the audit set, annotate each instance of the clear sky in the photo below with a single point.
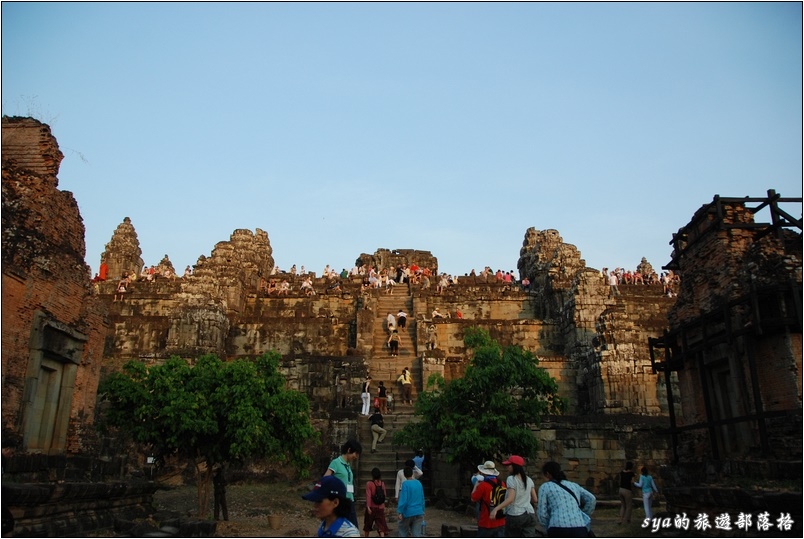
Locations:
(342, 128)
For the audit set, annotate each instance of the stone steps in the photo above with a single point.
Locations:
(389, 458)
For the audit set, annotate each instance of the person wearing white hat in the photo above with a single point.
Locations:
(489, 491)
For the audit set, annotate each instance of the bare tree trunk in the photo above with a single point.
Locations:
(203, 478)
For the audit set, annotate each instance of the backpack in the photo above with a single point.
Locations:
(497, 493)
(379, 494)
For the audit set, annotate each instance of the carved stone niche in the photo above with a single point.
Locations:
(55, 356)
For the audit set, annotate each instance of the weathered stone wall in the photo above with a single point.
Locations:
(53, 329)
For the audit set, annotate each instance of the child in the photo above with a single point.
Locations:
(332, 507)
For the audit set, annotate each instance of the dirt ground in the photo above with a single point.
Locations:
(251, 504)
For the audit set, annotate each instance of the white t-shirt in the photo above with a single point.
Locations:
(521, 503)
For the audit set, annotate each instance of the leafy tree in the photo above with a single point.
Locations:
(490, 412)
(211, 413)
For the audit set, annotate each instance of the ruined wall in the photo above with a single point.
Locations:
(729, 303)
(53, 329)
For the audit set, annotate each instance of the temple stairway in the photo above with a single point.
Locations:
(389, 458)
(383, 367)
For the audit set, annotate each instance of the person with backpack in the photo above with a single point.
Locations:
(489, 492)
(564, 508)
(332, 507)
(520, 497)
(375, 505)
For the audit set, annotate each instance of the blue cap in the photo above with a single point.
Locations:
(327, 486)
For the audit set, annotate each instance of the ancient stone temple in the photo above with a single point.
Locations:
(647, 376)
(53, 340)
(734, 342)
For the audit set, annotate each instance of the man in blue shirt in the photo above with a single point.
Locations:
(410, 508)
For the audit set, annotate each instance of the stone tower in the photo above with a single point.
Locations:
(123, 253)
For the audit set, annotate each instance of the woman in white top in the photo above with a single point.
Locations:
(520, 497)
(365, 396)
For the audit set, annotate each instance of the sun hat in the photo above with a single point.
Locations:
(327, 486)
(514, 459)
(488, 468)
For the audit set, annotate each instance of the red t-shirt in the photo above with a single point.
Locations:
(482, 494)
(371, 488)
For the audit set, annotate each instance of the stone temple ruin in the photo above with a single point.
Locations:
(705, 386)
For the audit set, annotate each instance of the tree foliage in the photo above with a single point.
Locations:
(490, 412)
(211, 413)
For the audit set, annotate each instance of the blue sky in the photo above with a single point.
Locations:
(342, 128)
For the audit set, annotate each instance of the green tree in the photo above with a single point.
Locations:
(490, 412)
(211, 413)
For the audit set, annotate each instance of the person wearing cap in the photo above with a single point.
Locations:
(481, 494)
(332, 507)
(341, 468)
(565, 508)
(520, 497)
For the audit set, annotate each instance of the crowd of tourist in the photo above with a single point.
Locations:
(620, 276)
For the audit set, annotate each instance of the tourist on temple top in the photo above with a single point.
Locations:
(458, 314)
(402, 318)
(307, 286)
(122, 286)
(525, 283)
(437, 314)
(188, 271)
(613, 282)
(344, 274)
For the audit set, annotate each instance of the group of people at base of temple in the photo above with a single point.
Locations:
(334, 498)
(509, 508)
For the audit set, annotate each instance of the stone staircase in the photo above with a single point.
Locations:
(383, 367)
(389, 458)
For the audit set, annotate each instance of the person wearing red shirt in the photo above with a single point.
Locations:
(481, 494)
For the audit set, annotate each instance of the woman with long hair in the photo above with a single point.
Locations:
(564, 508)
(520, 497)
